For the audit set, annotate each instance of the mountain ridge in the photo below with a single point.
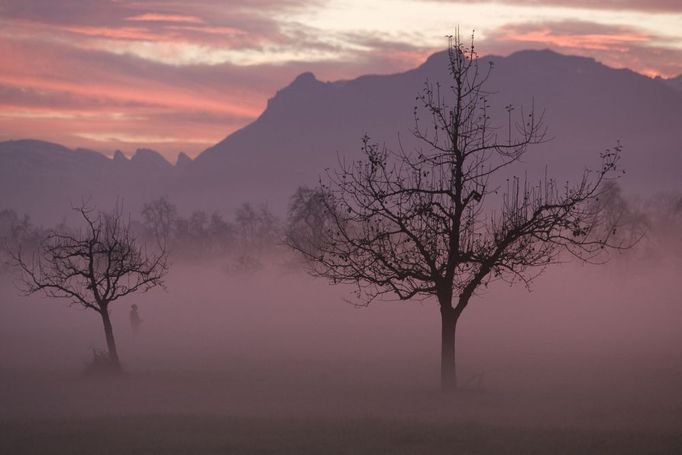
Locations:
(309, 124)
(603, 92)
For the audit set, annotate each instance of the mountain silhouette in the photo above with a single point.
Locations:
(310, 125)
(45, 180)
(588, 107)
(674, 82)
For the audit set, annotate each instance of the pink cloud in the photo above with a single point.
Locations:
(595, 41)
(151, 17)
(615, 5)
(616, 46)
(119, 33)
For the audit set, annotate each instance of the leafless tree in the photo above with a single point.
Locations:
(159, 218)
(308, 220)
(443, 220)
(93, 267)
(257, 233)
(15, 230)
(627, 223)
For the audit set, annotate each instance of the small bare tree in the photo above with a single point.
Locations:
(15, 230)
(159, 218)
(439, 221)
(308, 221)
(257, 232)
(93, 267)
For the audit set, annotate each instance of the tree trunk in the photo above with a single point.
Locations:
(111, 342)
(448, 370)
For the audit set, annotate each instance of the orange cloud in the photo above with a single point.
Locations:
(151, 17)
(121, 33)
(159, 96)
(208, 29)
(619, 41)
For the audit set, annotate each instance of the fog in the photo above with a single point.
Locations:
(592, 353)
(245, 352)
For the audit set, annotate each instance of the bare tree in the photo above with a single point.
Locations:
(257, 233)
(308, 220)
(442, 220)
(627, 224)
(93, 267)
(159, 219)
(15, 230)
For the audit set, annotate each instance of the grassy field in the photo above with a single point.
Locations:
(227, 413)
(193, 434)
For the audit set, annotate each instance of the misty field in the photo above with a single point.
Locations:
(202, 412)
(253, 412)
(276, 362)
(228, 434)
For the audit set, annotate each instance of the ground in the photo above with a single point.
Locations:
(230, 412)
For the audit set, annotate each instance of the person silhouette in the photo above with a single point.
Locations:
(135, 319)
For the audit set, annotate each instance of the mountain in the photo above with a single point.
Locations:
(587, 106)
(45, 180)
(310, 125)
(674, 82)
(183, 161)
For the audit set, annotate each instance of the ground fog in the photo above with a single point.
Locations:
(274, 361)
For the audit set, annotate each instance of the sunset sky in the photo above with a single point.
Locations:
(180, 76)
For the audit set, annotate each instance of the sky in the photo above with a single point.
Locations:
(180, 76)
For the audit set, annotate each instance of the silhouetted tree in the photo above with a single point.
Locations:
(93, 267)
(308, 220)
(221, 234)
(257, 231)
(663, 212)
(15, 230)
(197, 237)
(434, 222)
(627, 223)
(190, 234)
(159, 218)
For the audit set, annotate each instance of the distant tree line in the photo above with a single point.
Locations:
(242, 242)
(653, 222)
(253, 233)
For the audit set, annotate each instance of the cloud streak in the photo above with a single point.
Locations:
(151, 17)
(634, 5)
